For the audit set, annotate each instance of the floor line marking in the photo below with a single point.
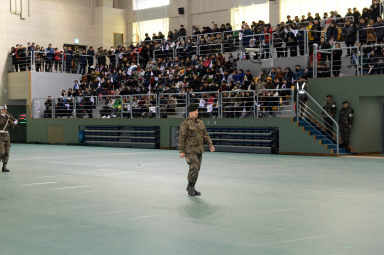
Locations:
(51, 176)
(145, 217)
(303, 239)
(116, 173)
(111, 212)
(130, 154)
(73, 187)
(39, 183)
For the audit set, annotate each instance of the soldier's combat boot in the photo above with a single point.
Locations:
(5, 169)
(197, 193)
(190, 189)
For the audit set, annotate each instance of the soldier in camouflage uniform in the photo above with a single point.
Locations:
(345, 123)
(6, 122)
(192, 137)
(330, 107)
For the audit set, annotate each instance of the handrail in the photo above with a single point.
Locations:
(329, 51)
(126, 101)
(301, 92)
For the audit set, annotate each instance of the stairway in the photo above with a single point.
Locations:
(325, 139)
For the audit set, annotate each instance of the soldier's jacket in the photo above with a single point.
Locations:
(330, 108)
(192, 136)
(6, 123)
(346, 117)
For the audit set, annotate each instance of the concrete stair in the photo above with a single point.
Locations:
(325, 139)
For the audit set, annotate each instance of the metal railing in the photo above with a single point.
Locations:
(184, 39)
(42, 108)
(69, 62)
(186, 51)
(85, 106)
(208, 36)
(273, 102)
(160, 53)
(145, 106)
(333, 62)
(21, 60)
(238, 104)
(109, 106)
(371, 59)
(225, 104)
(255, 46)
(209, 103)
(323, 124)
(209, 49)
(231, 40)
(172, 105)
(376, 31)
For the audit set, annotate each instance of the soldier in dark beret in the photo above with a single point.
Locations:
(192, 137)
(345, 123)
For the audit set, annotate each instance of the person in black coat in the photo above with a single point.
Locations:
(316, 31)
(379, 30)
(90, 54)
(332, 32)
(68, 60)
(182, 31)
(349, 33)
(362, 29)
(356, 15)
(292, 40)
(337, 53)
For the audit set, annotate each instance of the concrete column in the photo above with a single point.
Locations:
(105, 3)
(274, 12)
(176, 19)
(4, 50)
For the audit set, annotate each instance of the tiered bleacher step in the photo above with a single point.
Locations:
(327, 140)
(244, 139)
(121, 136)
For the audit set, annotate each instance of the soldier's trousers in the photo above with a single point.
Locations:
(344, 133)
(328, 125)
(194, 162)
(5, 144)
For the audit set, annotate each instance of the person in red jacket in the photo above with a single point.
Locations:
(57, 58)
(267, 39)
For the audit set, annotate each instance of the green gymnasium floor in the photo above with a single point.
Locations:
(92, 200)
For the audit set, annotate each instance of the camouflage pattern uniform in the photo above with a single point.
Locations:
(5, 124)
(192, 136)
(330, 108)
(345, 120)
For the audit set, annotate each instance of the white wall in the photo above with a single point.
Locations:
(58, 22)
(51, 84)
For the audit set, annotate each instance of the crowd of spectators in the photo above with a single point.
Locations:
(327, 32)
(212, 73)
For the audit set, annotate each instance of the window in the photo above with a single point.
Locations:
(302, 7)
(150, 27)
(145, 4)
(249, 14)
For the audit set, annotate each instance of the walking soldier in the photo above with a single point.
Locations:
(6, 122)
(192, 136)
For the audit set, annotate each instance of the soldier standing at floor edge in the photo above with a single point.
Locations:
(192, 136)
(6, 122)
(330, 107)
(345, 123)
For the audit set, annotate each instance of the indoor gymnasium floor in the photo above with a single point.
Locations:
(108, 201)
